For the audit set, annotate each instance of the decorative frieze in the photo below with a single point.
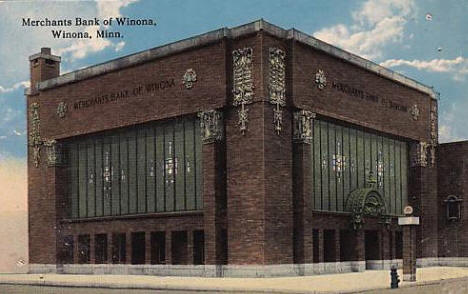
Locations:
(418, 154)
(242, 84)
(35, 140)
(277, 85)
(303, 126)
(55, 156)
(62, 109)
(189, 78)
(211, 126)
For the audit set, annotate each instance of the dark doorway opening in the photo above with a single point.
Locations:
(198, 247)
(119, 252)
(100, 248)
(391, 246)
(158, 248)
(372, 245)
(83, 248)
(138, 248)
(398, 244)
(179, 247)
(329, 246)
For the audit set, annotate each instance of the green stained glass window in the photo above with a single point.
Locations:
(344, 157)
(154, 167)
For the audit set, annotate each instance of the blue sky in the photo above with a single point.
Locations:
(425, 40)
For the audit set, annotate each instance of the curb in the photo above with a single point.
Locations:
(145, 286)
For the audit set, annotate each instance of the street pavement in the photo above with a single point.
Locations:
(438, 279)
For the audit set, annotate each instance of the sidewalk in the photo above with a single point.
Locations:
(336, 283)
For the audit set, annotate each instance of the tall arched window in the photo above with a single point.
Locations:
(453, 204)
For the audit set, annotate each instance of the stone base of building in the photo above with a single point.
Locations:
(251, 271)
(247, 271)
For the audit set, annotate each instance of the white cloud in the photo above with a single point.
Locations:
(452, 124)
(375, 24)
(457, 66)
(17, 133)
(23, 84)
(108, 8)
(447, 134)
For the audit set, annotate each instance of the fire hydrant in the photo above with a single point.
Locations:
(394, 277)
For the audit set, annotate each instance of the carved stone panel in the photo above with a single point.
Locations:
(211, 126)
(242, 83)
(277, 85)
(415, 112)
(418, 154)
(35, 140)
(303, 126)
(55, 156)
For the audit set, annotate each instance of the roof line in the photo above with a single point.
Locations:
(232, 33)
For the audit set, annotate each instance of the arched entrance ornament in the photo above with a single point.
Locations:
(366, 202)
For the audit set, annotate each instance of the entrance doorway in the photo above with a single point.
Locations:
(372, 246)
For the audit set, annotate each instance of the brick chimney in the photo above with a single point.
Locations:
(43, 66)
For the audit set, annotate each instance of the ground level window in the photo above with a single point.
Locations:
(179, 247)
(83, 248)
(329, 246)
(67, 250)
(138, 248)
(198, 247)
(119, 251)
(101, 248)
(158, 248)
(315, 246)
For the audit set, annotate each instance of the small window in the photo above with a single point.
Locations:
(453, 204)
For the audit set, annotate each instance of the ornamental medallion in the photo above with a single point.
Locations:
(190, 77)
(62, 109)
(320, 79)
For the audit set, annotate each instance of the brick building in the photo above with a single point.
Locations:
(249, 151)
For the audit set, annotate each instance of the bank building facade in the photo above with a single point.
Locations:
(248, 151)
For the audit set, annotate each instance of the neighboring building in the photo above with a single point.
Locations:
(260, 149)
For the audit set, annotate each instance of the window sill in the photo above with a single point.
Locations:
(134, 216)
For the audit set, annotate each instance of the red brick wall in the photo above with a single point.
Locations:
(453, 237)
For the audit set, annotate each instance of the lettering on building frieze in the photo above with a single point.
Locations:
(189, 78)
(302, 132)
(211, 126)
(277, 85)
(243, 87)
(62, 109)
(365, 96)
(124, 94)
(54, 150)
(418, 154)
(35, 140)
